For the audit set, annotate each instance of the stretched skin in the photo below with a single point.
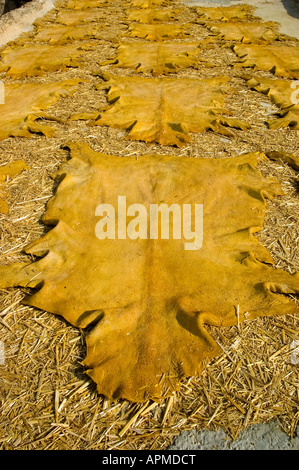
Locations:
(232, 13)
(158, 32)
(166, 110)
(60, 34)
(33, 99)
(147, 301)
(75, 17)
(157, 58)
(282, 61)
(87, 4)
(150, 3)
(150, 16)
(283, 93)
(33, 60)
(252, 32)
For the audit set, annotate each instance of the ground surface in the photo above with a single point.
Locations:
(263, 436)
(47, 402)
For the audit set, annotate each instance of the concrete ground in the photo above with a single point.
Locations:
(15, 22)
(263, 436)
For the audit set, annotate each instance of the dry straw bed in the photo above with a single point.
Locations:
(47, 401)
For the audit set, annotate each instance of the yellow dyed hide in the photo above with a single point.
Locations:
(149, 16)
(60, 34)
(158, 32)
(283, 93)
(244, 32)
(86, 4)
(74, 17)
(229, 13)
(166, 110)
(28, 61)
(24, 104)
(157, 58)
(146, 299)
(283, 61)
(289, 158)
(149, 3)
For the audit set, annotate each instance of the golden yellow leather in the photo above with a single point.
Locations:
(32, 99)
(157, 58)
(281, 60)
(285, 94)
(252, 32)
(158, 32)
(31, 60)
(147, 301)
(167, 110)
(150, 16)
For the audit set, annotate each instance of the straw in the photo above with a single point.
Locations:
(46, 399)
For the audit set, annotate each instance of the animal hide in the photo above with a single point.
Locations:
(289, 158)
(60, 34)
(147, 300)
(149, 3)
(245, 32)
(284, 95)
(31, 99)
(74, 17)
(157, 58)
(230, 13)
(158, 32)
(86, 4)
(166, 110)
(283, 61)
(31, 60)
(151, 16)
